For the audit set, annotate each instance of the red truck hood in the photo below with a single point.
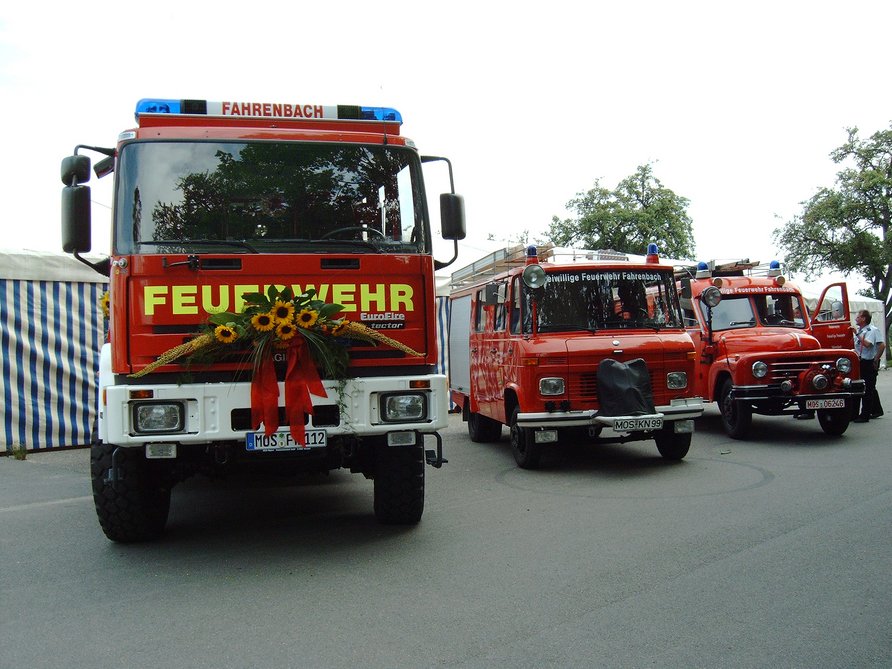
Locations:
(754, 340)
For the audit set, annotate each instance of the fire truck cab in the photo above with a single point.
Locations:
(305, 213)
(560, 343)
(759, 351)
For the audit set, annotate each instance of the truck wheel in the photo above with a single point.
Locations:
(399, 484)
(736, 416)
(526, 452)
(483, 429)
(672, 445)
(834, 421)
(136, 507)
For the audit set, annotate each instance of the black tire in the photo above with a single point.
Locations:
(483, 429)
(672, 445)
(136, 507)
(737, 418)
(835, 421)
(527, 452)
(399, 484)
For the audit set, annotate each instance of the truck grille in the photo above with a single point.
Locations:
(584, 386)
(780, 370)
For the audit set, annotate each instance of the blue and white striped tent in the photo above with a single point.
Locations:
(51, 332)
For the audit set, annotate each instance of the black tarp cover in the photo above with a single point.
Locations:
(624, 388)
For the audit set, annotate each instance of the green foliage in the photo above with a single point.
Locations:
(638, 211)
(846, 228)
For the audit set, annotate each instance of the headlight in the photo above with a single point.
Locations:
(760, 369)
(711, 296)
(551, 386)
(676, 380)
(403, 407)
(158, 417)
(844, 365)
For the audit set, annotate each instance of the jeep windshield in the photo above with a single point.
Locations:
(590, 300)
(748, 311)
(268, 197)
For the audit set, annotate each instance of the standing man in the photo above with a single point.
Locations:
(869, 345)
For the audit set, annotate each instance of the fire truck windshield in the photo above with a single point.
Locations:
(602, 299)
(268, 197)
(741, 311)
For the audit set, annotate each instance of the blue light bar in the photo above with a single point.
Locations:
(267, 110)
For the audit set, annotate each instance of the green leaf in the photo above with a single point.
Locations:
(329, 310)
(223, 318)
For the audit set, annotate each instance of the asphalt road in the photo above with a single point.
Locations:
(771, 552)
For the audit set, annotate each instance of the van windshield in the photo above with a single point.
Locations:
(603, 299)
(270, 197)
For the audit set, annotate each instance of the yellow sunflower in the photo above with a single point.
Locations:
(285, 331)
(307, 318)
(283, 311)
(103, 304)
(225, 334)
(263, 322)
(338, 328)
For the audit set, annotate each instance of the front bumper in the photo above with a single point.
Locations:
(684, 409)
(774, 392)
(209, 408)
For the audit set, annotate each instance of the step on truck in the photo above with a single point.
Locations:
(570, 345)
(759, 351)
(270, 305)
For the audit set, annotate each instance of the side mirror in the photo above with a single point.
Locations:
(75, 170)
(452, 216)
(76, 231)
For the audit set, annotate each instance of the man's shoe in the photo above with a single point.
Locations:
(861, 419)
(876, 415)
(804, 415)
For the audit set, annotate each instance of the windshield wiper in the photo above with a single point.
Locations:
(240, 243)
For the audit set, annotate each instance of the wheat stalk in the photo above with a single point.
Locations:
(177, 352)
(365, 332)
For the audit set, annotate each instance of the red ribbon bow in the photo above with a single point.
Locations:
(301, 379)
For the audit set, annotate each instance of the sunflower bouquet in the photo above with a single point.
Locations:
(272, 321)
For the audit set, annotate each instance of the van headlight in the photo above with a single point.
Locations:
(403, 407)
(158, 417)
(676, 380)
(844, 365)
(551, 386)
(760, 369)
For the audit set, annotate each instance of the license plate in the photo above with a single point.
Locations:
(637, 424)
(283, 441)
(835, 403)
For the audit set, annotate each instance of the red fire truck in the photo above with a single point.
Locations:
(572, 344)
(271, 302)
(760, 352)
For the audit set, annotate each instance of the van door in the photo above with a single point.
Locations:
(831, 321)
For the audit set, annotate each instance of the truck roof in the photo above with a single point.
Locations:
(180, 119)
(515, 257)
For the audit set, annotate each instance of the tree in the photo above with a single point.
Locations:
(846, 228)
(639, 211)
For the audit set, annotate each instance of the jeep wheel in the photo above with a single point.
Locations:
(737, 417)
(834, 421)
(135, 507)
(526, 451)
(672, 445)
(399, 484)
(482, 429)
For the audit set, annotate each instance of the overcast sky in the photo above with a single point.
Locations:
(737, 105)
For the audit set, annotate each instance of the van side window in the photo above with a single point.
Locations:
(479, 312)
(501, 313)
(515, 305)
